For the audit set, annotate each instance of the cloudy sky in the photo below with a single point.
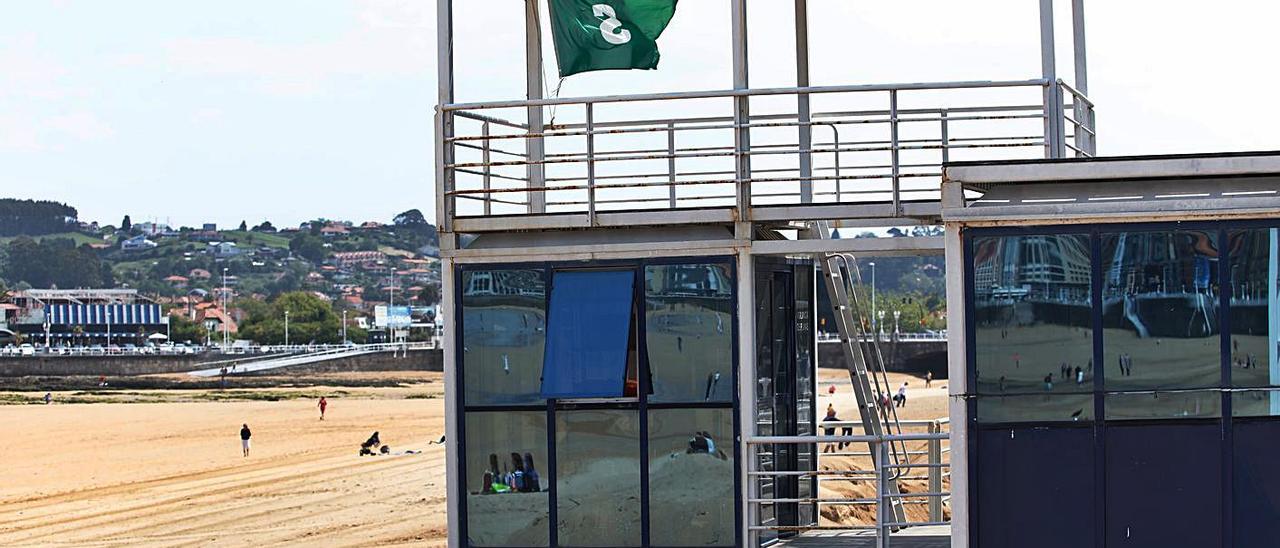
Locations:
(191, 112)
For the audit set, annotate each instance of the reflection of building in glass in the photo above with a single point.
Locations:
(704, 280)
(505, 282)
(1054, 267)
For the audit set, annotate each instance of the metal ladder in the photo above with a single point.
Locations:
(866, 371)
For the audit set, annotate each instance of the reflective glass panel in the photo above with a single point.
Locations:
(689, 321)
(507, 500)
(1160, 310)
(691, 477)
(1255, 308)
(504, 318)
(1164, 405)
(1255, 403)
(1033, 329)
(598, 477)
(1036, 408)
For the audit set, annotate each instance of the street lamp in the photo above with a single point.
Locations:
(286, 328)
(344, 327)
(896, 315)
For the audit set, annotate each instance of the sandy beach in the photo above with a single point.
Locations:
(170, 473)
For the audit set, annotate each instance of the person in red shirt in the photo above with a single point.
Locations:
(322, 405)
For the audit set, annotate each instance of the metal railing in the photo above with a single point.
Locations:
(932, 336)
(870, 144)
(930, 463)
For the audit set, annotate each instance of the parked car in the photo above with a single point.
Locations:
(27, 350)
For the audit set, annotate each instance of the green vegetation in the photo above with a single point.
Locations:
(35, 218)
(248, 239)
(77, 237)
(55, 262)
(311, 320)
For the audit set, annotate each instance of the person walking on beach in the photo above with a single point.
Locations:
(830, 431)
(901, 397)
(245, 434)
(928, 379)
(48, 398)
(322, 405)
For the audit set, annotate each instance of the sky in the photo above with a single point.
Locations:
(190, 112)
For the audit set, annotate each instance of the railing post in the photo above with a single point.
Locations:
(591, 165)
(488, 204)
(893, 151)
(882, 494)
(935, 473)
(671, 164)
(835, 133)
(946, 138)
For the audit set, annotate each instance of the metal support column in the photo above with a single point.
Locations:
(534, 147)
(747, 394)
(1083, 113)
(1054, 133)
(671, 165)
(591, 164)
(444, 123)
(456, 490)
(741, 119)
(803, 113)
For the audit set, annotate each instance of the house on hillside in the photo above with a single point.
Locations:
(137, 243)
(199, 274)
(177, 282)
(223, 250)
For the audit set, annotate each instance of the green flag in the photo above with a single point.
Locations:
(608, 34)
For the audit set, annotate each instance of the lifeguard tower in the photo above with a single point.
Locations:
(630, 290)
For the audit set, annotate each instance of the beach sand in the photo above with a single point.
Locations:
(171, 473)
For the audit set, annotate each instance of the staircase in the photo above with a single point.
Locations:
(866, 368)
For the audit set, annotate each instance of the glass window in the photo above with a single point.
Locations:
(589, 334)
(503, 332)
(506, 456)
(691, 477)
(1255, 306)
(1033, 314)
(689, 319)
(1255, 403)
(598, 477)
(1160, 315)
(1164, 405)
(1038, 408)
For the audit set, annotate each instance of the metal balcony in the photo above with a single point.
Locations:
(872, 153)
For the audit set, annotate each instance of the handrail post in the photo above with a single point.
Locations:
(893, 151)
(488, 202)
(935, 473)
(591, 165)
(946, 137)
(671, 164)
(882, 495)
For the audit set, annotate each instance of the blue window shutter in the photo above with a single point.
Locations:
(588, 325)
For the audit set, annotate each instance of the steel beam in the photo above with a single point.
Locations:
(741, 120)
(803, 114)
(444, 123)
(535, 147)
(456, 488)
(1053, 130)
(868, 247)
(957, 360)
(1154, 167)
(747, 395)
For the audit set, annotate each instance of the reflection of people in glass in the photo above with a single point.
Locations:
(712, 379)
(532, 484)
(702, 443)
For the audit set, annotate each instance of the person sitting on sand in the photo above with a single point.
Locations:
(532, 483)
(370, 444)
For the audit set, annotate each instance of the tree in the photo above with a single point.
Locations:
(430, 294)
(309, 247)
(55, 262)
(182, 329)
(311, 320)
(244, 227)
(126, 225)
(413, 217)
(4, 292)
(34, 217)
(266, 226)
